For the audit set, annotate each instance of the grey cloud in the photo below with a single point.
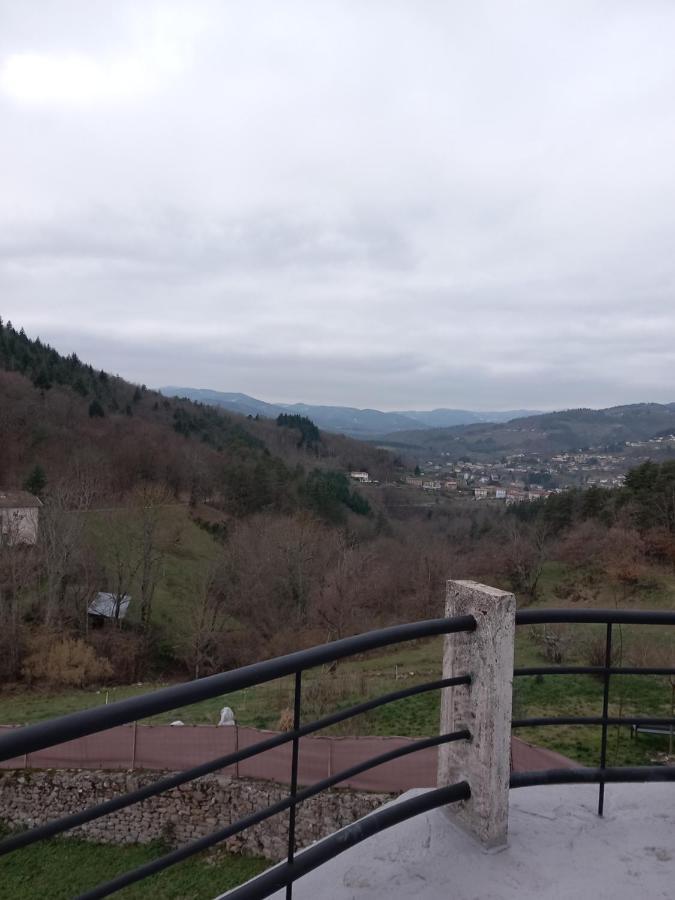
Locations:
(176, 240)
(373, 204)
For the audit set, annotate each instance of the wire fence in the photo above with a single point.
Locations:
(173, 748)
(110, 737)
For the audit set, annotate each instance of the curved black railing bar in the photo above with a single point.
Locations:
(540, 721)
(592, 670)
(175, 856)
(584, 775)
(90, 721)
(342, 840)
(545, 616)
(608, 618)
(58, 826)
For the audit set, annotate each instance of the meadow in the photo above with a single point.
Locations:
(63, 868)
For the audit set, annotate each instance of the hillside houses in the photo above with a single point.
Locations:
(19, 517)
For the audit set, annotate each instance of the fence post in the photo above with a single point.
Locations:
(483, 707)
(134, 737)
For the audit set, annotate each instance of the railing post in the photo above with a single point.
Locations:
(134, 737)
(483, 707)
(294, 777)
(605, 712)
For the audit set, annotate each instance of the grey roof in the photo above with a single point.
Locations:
(18, 500)
(103, 604)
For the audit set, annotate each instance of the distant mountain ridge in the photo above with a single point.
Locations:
(571, 429)
(363, 423)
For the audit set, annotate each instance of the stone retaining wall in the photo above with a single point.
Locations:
(190, 811)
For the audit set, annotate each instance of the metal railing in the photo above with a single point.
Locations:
(56, 731)
(35, 737)
(601, 775)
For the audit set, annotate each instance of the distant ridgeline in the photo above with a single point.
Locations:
(46, 367)
(244, 466)
(109, 394)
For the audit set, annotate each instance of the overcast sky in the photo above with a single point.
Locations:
(371, 203)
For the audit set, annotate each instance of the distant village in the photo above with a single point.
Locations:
(483, 483)
(470, 479)
(524, 477)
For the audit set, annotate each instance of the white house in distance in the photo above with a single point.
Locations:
(363, 477)
(19, 517)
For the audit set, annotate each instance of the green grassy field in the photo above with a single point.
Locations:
(183, 564)
(411, 663)
(61, 869)
(415, 716)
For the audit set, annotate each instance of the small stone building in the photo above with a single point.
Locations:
(19, 517)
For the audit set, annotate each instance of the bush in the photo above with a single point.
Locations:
(329, 691)
(554, 641)
(64, 661)
(123, 651)
(595, 649)
(285, 722)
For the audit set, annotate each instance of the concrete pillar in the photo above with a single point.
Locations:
(483, 707)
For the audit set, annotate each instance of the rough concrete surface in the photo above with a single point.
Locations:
(483, 708)
(558, 850)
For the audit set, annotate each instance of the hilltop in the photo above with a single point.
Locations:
(546, 433)
(72, 419)
(359, 423)
(234, 538)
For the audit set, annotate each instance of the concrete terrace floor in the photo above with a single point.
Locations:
(559, 849)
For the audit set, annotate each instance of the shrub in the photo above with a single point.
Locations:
(554, 642)
(285, 722)
(595, 649)
(64, 661)
(123, 651)
(328, 692)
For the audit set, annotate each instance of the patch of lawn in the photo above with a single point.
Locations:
(581, 695)
(182, 568)
(415, 662)
(63, 868)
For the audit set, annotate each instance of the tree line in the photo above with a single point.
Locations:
(253, 535)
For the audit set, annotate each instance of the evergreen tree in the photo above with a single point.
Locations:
(310, 436)
(41, 381)
(36, 481)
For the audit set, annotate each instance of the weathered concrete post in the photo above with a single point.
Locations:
(483, 707)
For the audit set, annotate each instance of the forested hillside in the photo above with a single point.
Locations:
(165, 499)
(238, 539)
(367, 424)
(548, 433)
(72, 420)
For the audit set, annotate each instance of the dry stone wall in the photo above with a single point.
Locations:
(190, 811)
